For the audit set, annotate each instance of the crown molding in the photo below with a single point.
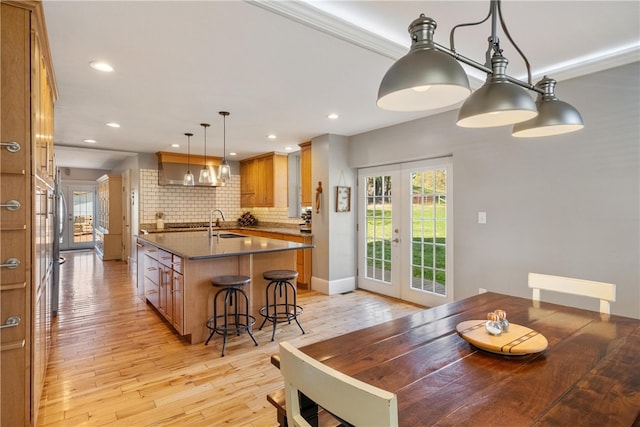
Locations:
(332, 25)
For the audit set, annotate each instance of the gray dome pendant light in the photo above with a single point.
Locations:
(188, 180)
(502, 100)
(224, 170)
(207, 174)
(554, 117)
(498, 102)
(424, 78)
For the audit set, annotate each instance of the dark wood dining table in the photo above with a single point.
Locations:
(589, 375)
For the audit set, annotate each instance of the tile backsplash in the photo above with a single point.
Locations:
(192, 204)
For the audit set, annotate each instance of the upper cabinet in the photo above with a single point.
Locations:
(305, 174)
(42, 103)
(263, 181)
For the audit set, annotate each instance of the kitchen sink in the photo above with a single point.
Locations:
(230, 235)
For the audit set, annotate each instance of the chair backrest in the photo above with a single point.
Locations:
(347, 398)
(606, 292)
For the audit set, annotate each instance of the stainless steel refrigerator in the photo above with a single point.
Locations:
(59, 218)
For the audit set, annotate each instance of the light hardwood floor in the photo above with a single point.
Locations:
(115, 362)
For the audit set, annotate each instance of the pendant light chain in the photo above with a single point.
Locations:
(224, 170)
(188, 179)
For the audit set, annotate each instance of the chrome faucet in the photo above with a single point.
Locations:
(211, 212)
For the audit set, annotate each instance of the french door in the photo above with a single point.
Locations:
(405, 231)
(78, 210)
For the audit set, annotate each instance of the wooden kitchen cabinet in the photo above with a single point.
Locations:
(151, 276)
(165, 304)
(263, 181)
(306, 186)
(303, 256)
(164, 284)
(109, 218)
(177, 298)
(26, 177)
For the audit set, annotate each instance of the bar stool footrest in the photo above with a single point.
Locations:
(280, 312)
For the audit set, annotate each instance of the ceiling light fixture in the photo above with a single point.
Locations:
(113, 124)
(554, 117)
(101, 66)
(333, 116)
(207, 174)
(188, 180)
(175, 145)
(430, 77)
(89, 141)
(271, 136)
(224, 170)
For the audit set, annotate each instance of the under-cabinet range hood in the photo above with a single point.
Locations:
(173, 166)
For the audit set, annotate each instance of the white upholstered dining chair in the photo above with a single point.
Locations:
(605, 292)
(345, 397)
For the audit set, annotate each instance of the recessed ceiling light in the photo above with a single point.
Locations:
(175, 145)
(89, 141)
(332, 116)
(113, 124)
(271, 136)
(288, 148)
(233, 153)
(101, 66)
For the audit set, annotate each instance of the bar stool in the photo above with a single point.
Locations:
(234, 320)
(282, 307)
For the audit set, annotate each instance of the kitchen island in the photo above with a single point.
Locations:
(175, 271)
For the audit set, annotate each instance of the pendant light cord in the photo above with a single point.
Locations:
(188, 135)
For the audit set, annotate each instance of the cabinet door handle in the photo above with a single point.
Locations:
(11, 322)
(11, 263)
(11, 146)
(11, 205)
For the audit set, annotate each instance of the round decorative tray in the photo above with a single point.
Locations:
(519, 340)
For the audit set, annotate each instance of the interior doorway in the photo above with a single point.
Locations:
(77, 216)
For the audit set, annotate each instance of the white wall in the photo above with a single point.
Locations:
(566, 205)
(334, 257)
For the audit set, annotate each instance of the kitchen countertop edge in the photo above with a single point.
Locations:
(273, 245)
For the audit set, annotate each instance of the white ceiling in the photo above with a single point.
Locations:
(281, 67)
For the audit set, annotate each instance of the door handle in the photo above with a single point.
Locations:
(396, 240)
(12, 321)
(11, 263)
(11, 146)
(11, 205)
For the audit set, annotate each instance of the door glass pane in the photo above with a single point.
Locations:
(82, 216)
(428, 231)
(378, 228)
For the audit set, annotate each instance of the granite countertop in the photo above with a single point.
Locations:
(188, 227)
(198, 244)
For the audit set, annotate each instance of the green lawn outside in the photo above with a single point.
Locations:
(428, 235)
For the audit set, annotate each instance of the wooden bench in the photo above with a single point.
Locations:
(314, 416)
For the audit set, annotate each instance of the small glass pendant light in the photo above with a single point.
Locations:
(207, 175)
(188, 180)
(224, 170)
